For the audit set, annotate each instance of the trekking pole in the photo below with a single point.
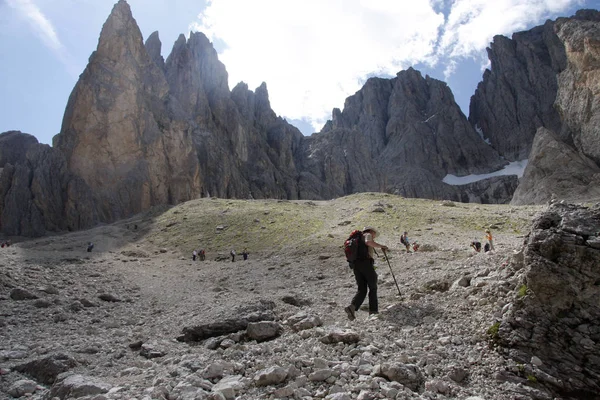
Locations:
(395, 281)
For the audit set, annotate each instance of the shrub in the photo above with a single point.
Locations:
(522, 291)
(493, 331)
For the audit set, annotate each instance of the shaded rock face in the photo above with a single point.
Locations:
(401, 135)
(516, 96)
(566, 163)
(558, 321)
(13, 146)
(120, 132)
(39, 194)
(556, 170)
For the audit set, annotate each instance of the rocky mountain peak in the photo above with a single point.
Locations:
(120, 27)
(154, 48)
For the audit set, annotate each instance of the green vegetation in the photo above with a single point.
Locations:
(493, 331)
(298, 226)
(531, 378)
(522, 291)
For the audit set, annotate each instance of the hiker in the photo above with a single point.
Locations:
(488, 236)
(245, 254)
(476, 245)
(90, 247)
(202, 255)
(232, 253)
(404, 240)
(366, 277)
(194, 255)
(415, 246)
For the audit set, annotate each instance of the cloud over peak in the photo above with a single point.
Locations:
(315, 53)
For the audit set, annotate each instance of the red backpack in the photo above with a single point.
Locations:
(355, 247)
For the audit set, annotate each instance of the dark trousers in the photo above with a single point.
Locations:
(366, 278)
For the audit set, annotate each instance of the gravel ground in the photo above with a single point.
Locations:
(431, 342)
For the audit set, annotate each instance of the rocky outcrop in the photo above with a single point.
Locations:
(39, 194)
(578, 98)
(553, 327)
(120, 132)
(557, 171)
(13, 146)
(400, 135)
(516, 96)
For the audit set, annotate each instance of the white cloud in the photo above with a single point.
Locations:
(472, 24)
(312, 53)
(44, 29)
(315, 53)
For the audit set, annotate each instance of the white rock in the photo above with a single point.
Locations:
(22, 387)
(536, 361)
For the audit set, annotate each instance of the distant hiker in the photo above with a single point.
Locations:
(8, 243)
(90, 247)
(364, 272)
(404, 240)
(486, 247)
(245, 254)
(202, 255)
(476, 245)
(415, 246)
(194, 255)
(488, 236)
(3, 244)
(232, 253)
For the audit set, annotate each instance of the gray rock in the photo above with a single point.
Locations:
(556, 169)
(22, 294)
(346, 336)
(75, 386)
(407, 374)
(561, 272)
(263, 330)
(22, 387)
(45, 370)
(270, 376)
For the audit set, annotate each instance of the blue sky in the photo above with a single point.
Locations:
(311, 53)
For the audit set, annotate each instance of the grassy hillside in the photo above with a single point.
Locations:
(269, 226)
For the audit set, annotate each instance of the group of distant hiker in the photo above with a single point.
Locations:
(489, 246)
(6, 243)
(359, 249)
(198, 254)
(201, 254)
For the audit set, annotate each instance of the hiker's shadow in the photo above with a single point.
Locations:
(412, 314)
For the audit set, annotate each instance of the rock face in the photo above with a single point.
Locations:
(139, 131)
(517, 95)
(556, 170)
(565, 162)
(400, 135)
(120, 132)
(38, 193)
(554, 325)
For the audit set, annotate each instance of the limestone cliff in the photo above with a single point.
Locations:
(516, 96)
(38, 193)
(120, 132)
(400, 135)
(565, 164)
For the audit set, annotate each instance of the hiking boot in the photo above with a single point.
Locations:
(350, 312)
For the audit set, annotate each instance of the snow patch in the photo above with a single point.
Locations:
(480, 133)
(513, 168)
